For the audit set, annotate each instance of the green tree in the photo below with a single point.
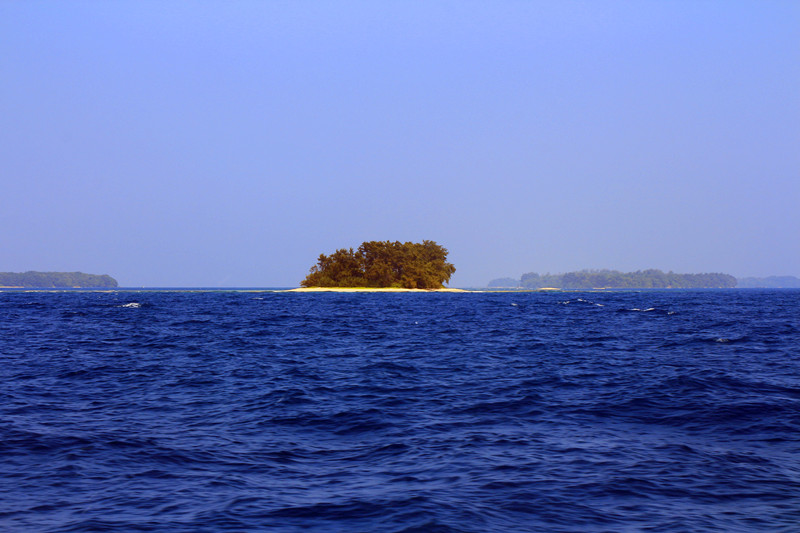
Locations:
(383, 264)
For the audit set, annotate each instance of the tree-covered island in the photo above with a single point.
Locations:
(383, 264)
(56, 280)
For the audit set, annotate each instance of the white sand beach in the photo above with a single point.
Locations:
(368, 289)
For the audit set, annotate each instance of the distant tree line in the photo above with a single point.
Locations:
(47, 280)
(383, 264)
(613, 279)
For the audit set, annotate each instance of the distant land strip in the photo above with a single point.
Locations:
(53, 280)
(614, 279)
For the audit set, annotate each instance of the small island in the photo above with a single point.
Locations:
(55, 280)
(383, 265)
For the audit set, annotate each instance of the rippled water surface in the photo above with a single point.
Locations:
(241, 411)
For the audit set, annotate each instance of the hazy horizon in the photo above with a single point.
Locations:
(229, 144)
(122, 285)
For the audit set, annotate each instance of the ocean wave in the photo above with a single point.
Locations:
(214, 412)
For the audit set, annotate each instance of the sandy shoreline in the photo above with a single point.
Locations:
(368, 289)
(260, 290)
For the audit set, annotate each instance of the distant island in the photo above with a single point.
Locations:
(614, 279)
(383, 264)
(53, 280)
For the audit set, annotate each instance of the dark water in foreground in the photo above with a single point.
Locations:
(224, 411)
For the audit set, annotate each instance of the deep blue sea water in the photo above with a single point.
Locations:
(244, 411)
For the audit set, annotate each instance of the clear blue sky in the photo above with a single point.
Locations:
(229, 143)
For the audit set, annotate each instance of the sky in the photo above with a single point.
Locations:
(228, 144)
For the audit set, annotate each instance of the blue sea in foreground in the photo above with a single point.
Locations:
(662, 411)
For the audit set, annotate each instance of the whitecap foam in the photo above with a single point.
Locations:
(132, 305)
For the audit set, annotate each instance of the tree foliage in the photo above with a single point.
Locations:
(48, 280)
(613, 279)
(383, 264)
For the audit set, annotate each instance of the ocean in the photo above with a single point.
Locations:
(661, 411)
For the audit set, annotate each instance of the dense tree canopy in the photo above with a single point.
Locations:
(383, 264)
